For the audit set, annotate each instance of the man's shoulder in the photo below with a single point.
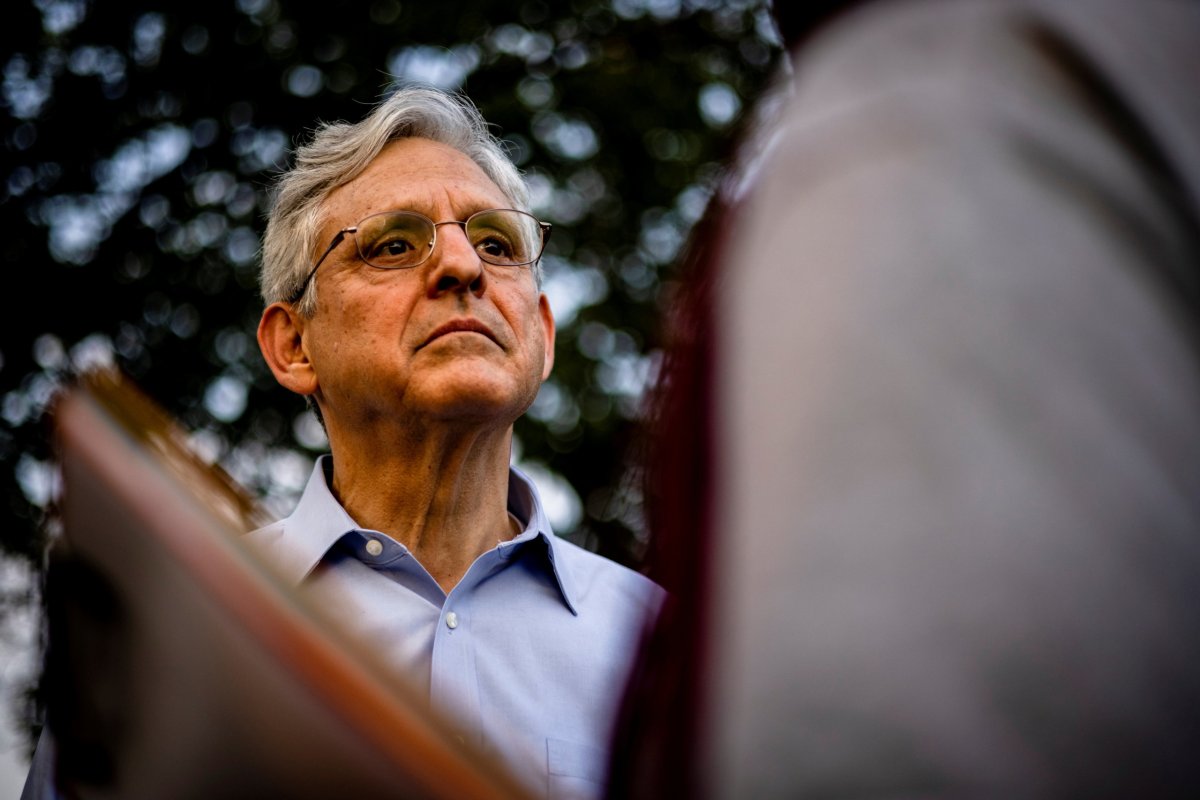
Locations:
(292, 557)
(267, 534)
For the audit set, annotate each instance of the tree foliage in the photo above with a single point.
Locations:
(139, 139)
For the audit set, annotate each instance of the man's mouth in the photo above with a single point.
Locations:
(463, 325)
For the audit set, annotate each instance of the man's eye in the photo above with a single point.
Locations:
(493, 247)
(391, 250)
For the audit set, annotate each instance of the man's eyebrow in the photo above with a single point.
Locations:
(465, 210)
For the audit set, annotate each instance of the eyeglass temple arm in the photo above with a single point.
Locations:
(336, 241)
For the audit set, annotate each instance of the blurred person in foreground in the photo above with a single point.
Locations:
(926, 490)
(401, 276)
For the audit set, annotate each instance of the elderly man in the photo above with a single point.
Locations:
(400, 272)
(401, 276)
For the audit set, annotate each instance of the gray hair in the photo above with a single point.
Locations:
(338, 152)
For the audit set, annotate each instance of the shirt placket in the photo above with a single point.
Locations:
(453, 684)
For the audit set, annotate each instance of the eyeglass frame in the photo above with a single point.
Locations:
(544, 227)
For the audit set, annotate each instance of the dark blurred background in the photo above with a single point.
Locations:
(138, 142)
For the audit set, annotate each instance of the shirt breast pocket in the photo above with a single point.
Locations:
(576, 771)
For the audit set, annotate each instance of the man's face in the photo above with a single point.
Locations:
(451, 339)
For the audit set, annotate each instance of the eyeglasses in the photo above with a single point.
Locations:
(504, 237)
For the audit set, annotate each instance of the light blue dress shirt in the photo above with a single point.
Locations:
(528, 654)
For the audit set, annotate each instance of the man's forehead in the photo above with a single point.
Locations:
(413, 171)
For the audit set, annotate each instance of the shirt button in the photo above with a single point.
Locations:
(374, 547)
(452, 620)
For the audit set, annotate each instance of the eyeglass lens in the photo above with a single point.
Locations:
(401, 239)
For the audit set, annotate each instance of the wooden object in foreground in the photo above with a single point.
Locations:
(181, 666)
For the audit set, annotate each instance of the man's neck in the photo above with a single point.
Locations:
(444, 496)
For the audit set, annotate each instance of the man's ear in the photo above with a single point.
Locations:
(548, 328)
(281, 339)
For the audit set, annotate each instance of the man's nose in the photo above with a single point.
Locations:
(455, 266)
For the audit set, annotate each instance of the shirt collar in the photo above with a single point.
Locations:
(526, 505)
(316, 525)
(319, 521)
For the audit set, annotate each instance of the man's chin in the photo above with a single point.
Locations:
(474, 397)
